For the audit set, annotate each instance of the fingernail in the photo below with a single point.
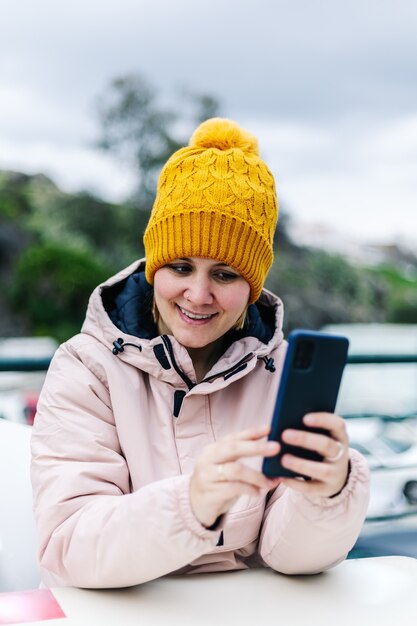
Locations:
(310, 419)
(271, 446)
(290, 435)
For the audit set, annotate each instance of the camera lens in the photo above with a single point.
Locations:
(303, 354)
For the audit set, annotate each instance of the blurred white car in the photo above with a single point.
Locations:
(390, 447)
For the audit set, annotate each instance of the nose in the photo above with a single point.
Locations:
(198, 291)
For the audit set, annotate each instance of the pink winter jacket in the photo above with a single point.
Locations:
(119, 427)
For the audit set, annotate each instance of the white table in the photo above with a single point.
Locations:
(364, 592)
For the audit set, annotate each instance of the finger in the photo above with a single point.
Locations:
(324, 445)
(317, 487)
(316, 470)
(249, 434)
(330, 422)
(239, 472)
(232, 450)
(303, 486)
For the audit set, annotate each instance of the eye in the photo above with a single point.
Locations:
(226, 277)
(180, 268)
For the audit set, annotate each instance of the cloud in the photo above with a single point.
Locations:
(329, 88)
(358, 178)
(26, 114)
(71, 168)
(297, 59)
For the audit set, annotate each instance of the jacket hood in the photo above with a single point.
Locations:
(121, 308)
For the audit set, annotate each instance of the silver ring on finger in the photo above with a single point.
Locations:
(338, 455)
(221, 476)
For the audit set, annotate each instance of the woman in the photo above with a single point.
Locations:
(152, 423)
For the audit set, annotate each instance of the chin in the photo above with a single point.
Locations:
(192, 342)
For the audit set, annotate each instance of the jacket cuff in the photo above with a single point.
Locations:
(190, 520)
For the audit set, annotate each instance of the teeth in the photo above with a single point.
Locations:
(193, 316)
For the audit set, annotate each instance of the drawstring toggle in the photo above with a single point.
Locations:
(269, 364)
(118, 346)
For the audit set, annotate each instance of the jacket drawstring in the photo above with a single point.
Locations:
(119, 346)
(269, 364)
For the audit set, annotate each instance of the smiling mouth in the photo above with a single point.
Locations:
(196, 316)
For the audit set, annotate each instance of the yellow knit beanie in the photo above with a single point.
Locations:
(216, 199)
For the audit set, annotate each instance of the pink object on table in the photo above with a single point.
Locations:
(28, 606)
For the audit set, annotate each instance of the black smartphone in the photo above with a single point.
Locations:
(310, 381)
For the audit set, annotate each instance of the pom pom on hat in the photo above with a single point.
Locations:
(216, 199)
(223, 134)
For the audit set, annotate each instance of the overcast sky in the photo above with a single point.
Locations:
(329, 87)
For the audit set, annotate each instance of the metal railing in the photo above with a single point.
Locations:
(8, 364)
(370, 359)
(27, 364)
(382, 359)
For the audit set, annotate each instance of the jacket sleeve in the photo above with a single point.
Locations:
(93, 532)
(306, 535)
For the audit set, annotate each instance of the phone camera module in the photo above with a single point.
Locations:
(303, 354)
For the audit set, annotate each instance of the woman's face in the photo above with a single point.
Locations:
(199, 299)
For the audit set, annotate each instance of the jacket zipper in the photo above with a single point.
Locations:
(231, 370)
(179, 371)
(184, 376)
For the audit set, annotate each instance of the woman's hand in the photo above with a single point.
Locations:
(329, 476)
(219, 476)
